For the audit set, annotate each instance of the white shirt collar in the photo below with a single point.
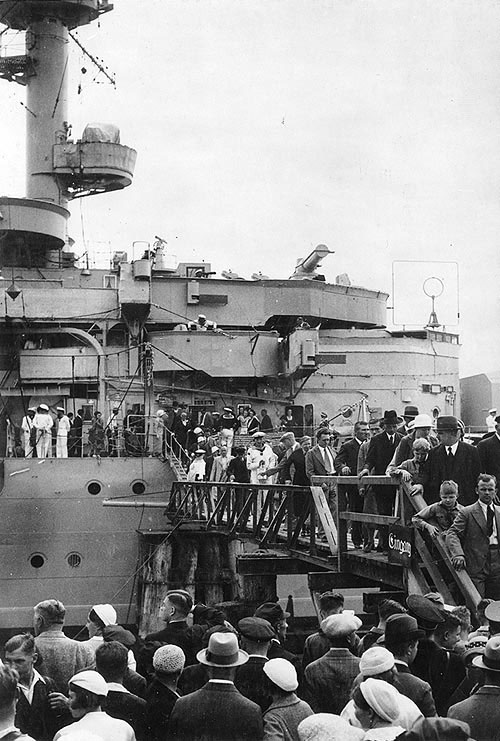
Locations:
(28, 691)
(453, 448)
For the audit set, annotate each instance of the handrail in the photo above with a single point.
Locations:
(417, 503)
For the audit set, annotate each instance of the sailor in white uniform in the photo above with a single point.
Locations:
(43, 423)
(63, 428)
(27, 426)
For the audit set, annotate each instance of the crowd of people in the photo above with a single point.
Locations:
(423, 672)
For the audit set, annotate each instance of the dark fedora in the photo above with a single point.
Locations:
(447, 423)
(402, 628)
(271, 611)
(410, 411)
(427, 613)
(490, 660)
(391, 418)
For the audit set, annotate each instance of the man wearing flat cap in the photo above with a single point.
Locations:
(217, 711)
(451, 460)
(256, 635)
(482, 710)
(329, 678)
(489, 452)
(474, 539)
(276, 615)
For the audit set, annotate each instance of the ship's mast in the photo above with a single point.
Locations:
(33, 229)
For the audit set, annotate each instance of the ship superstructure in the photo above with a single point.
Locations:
(128, 337)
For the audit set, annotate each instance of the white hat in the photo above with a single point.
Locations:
(200, 452)
(215, 449)
(91, 681)
(282, 673)
(169, 659)
(31, 409)
(160, 412)
(258, 435)
(375, 660)
(44, 407)
(421, 420)
(228, 409)
(106, 613)
(328, 727)
(197, 430)
(382, 697)
(492, 411)
(60, 409)
(343, 624)
(201, 316)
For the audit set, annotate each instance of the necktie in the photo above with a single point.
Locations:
(450, 454)
(328, 464)
(489, 521)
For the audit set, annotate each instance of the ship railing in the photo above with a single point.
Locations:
(427, 563)
(273, 513)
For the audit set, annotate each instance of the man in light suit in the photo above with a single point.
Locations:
(474, 538)
(320, 461)
(217, 711)
(346, 464)
(451, 460)
(489, 452)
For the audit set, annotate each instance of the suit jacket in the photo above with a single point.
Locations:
(443, 670)
(128, 707)
(481, 712)
(182, 635)
(465, 469)
(416, 689)
(297, 459)
(160, 701)
(329, 680)
(380, 452)
(216, 712)
(38, 719)
(468, 537)
(283, 717)
(315, 465)
(489, 455)
(250, 680)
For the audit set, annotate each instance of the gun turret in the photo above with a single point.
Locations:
(306, 267)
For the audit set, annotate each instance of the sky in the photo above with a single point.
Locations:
(266, 127)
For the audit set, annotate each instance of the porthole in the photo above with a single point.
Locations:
(138, 487)
(94, 488)
(37, 560)
(74, 560)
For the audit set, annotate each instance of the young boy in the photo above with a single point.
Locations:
(438, 517)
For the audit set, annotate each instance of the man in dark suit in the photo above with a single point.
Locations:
(217, 712)
(451, 460)
(76, 447)
(401, 638)
(380, 452)
(174, 611)
(111, 662)
(250, 680)
(474, 538)
(482, 710)
(346, 464)
(162, 693)
(34, 712)
(489, 452)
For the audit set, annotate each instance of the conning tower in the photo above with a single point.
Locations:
(33, 229)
